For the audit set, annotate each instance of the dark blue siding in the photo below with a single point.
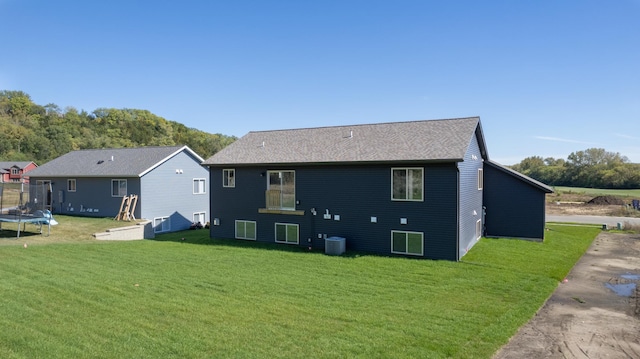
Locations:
(514, 207)
(92, 197)
(470, 197)
(355, 193)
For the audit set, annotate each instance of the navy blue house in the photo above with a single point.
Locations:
(417, 189)
(169, 181)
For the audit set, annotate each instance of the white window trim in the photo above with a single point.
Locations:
(480, 179)
(163, 221)
(75, 185)
(204, 185)
(407, 245)
(225, 177)
(275, 232)
(245, 229)
(126, 187)
(478, 229)
(282, 207)
(421, 189)
(203, 213)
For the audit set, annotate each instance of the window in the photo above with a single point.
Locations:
(287, 233)
(407, 184)
(281, 190)
(161, 224)
(246, 230)
(200, 217)
(118, 188)
(15, 171)
(228, 178)
(199, 186)
(71, 185)
(407, 243)
(478, 229)
(480, 178)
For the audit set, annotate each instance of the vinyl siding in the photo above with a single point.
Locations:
(470, 197)
(514, 207)
(355, 193)
(92, 197)
(166, 193)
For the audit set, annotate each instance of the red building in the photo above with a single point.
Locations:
(15, 171)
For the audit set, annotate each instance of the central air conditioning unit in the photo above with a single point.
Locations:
(335, 246)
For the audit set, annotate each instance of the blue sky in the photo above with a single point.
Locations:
(547, 78)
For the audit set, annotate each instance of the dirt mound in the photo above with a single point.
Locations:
(606, 200)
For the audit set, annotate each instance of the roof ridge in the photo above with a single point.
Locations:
(368, 124)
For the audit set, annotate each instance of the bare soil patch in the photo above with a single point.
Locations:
(595, 313)
(581, 204)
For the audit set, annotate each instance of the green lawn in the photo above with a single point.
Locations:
(600, 192)
(203, 298)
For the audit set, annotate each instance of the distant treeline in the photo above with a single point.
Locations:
(31, 132)
(592, 168)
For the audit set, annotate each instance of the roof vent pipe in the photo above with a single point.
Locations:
(111, 158)
(351, 134)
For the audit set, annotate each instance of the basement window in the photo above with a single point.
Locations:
(403, 242)
(246, 230)
(287, 233)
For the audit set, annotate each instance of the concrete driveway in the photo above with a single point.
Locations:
(611, 222)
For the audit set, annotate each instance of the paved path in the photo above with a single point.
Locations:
(612, 222)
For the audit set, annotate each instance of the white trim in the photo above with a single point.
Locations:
(478, 229)
(75, 185)
(204, 215)
(480, 179)
(407, 171)
(224, 177)
(203, 187)
(125, 191)
(407, 243)
(183, 148)
(294, 187)
(163, 220)
(286, 241)
(255, 227)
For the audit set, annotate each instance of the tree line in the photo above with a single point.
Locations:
(32, 132)
(591, 168)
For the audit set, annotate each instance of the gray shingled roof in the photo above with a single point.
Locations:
(127, 162)
(433, 140)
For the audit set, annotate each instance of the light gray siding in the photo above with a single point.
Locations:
(470, 197)
(167, 191)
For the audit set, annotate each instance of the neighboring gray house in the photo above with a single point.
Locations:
(406, 188)
(170, 183)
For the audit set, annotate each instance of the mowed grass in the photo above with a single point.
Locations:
(203, 298)
(600, 192)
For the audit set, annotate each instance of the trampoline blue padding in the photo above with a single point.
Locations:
(39, 218)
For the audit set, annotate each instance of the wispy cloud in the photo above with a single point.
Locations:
(558, 139)
(627, 136)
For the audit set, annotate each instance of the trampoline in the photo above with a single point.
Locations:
(24, 208)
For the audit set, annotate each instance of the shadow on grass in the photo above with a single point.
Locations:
(201, 237)
(12, 234)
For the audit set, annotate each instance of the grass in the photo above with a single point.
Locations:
(635, 193)
(200, 298)
(71, 229)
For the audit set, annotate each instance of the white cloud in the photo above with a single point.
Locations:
(557, 139)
